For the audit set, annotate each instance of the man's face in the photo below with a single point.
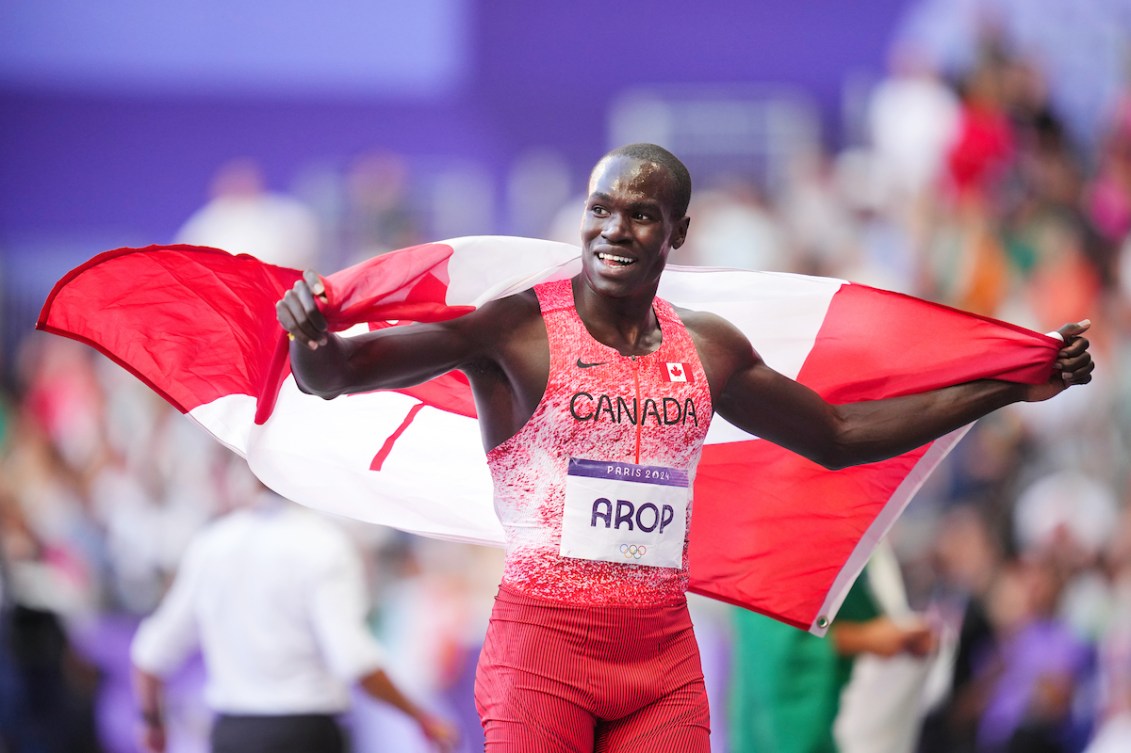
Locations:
(628, 227)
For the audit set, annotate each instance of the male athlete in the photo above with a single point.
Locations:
(594, 397)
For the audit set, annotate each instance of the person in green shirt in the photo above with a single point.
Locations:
(786, 683)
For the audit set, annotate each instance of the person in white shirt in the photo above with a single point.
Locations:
(274, 597)
(244, 217)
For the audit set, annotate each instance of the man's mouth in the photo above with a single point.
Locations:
(614, 259)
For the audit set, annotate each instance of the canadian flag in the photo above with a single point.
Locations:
(770, 531)
(677, 372)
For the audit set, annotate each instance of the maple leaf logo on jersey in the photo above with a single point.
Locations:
(677, 372)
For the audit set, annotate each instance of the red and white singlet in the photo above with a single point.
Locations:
(594, 491)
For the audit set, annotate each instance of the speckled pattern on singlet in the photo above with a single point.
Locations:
(598, 405)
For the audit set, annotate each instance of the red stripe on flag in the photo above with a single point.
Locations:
(387, 447)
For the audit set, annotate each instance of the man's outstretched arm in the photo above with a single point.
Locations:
(328, 365)
(763, 402)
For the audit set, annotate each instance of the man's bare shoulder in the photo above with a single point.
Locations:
(708, 327)
(500, 322)
(723, 349)
(511, 310)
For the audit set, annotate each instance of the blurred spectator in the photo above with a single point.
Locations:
(967, 558)
(63, 398)
(243, 217)
(60, 544)
(1109, 196)
(1067, 516)
(734, 228)
(966, 257)
(378, 215)
(432, 617)
(817, 223)
(786, 684)
(1035, 677)
(1107, 193)
(1113, 719)
(983, 146)
(878, 249)
(274, 597)
(888, 694)
(913, 119)
(1082, 47)
(47, 689)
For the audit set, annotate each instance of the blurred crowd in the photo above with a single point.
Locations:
(967, 187)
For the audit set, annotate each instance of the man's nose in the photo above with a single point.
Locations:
(615, 227)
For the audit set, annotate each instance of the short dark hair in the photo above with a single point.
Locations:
(661, 156)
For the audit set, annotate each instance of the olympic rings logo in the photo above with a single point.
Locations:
(633, 551)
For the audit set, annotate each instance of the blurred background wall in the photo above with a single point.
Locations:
(113, 118)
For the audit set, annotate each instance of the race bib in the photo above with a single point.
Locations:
(620, 512)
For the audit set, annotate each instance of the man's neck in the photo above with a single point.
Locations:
(628, 324)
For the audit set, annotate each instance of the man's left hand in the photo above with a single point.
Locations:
(1073, 364)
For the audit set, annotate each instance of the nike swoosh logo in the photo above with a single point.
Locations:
(582, 365)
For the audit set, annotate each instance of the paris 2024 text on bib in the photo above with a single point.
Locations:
(620, 512)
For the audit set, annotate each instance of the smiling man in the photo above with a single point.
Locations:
(594, 397)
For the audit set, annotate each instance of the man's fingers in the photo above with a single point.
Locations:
(309, 310)
(288, 321)
(1078, 344)
(1073, 329)
(300, 316)
(1073, 361)
(1076, 350)
(1079, 375)
(314, 281)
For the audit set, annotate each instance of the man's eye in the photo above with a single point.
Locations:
(599, 211)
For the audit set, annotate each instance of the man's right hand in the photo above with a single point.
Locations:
(299, 314)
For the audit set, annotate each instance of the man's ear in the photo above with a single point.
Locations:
(679, 235)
